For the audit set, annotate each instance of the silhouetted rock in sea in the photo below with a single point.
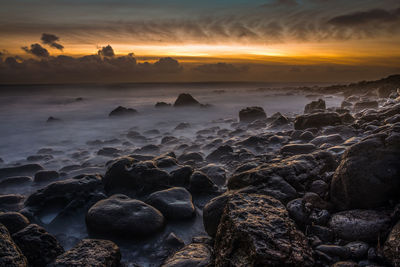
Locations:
(122, 111)
(53, 120)
(162, 105)
(315, 106)
(251, 114)
(186, 100)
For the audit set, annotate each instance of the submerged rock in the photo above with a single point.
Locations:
(44, 176)
(256, 230)
(28, 169)
(122, 111)
(10, 254)
(122, 216)
(38, 246)
(251, 114)
(90, 252)
(185, 100)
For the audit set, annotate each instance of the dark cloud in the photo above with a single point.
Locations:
(106, 51)
(364, 17)
(168, 64)
(36, 50)
(52, 40)
(220, 68)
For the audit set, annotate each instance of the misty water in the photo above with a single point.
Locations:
(83, 111)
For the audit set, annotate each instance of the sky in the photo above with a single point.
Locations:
(50, 41)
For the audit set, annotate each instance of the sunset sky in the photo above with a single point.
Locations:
(219, 40)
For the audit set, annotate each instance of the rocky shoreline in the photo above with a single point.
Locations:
(318, 189)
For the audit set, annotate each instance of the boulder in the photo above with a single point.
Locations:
(175, 203)
(15, 181)
(201, 183)
(122, 216)
(216, 173)
(39, 247)
(369, 173)
(10, 254)
(316, 120)
(193, 255)
(90, 252)
(333, 139)
(366, 104)
(14, 221)
(122, 111)
(27, 169)
(45, 176)
(212, 213)
(360, 225)
(256, 230)
(219, 153)
(11, 202)
(195, 156)
(125, 175)
(186, 100)
(251, 114)
(315, 106)
(392, 246)
(296, 149)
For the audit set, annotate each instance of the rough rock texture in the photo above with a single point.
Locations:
(185, 100)
(90, 252)
(175, 203)
(38, 246)
(10, 254)
(315, 106)
(316, 120)
(14, 221)
(122, 216)
(125, 175)
(369, 173)
(360, 225)
(256, 230)
(251, 114)
(192, 255)
(391, 249)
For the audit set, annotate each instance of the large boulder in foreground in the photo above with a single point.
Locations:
(255, 230)
(251, 114)
(38, 246)
(391, 249)
(10, 254)
(193, 255)
(90, 252)
(122, 216)
(186, 100)
(369, 173)
(317, 120)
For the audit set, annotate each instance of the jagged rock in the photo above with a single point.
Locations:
(122, 216)
(256, 230)
(10, 254)
(193, 255)
(90, 252)
(185, 100)
(251, 114)
(392, 246)
(315, 106)
(175, 203)
(317, 120)
(39, 247)
(360, 225)
(368, 175)
(122, 111)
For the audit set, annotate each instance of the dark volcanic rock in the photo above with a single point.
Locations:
(212, 213)
(256, 230)
(298, 149)
(122, 111)
(10, 254)
(360, 225)
(369, 173)
(90, 252)
(162, 105)
(11, 202)
(316, 120)
(122, 216)
(28, 169)
(315, 106)
(44, 176)
(175, 203)
(124, 175)
(192, 255)
(185, 100)
(14, 221)
(201, 183)
(366, 104)
(251, 114)
(14, 181)
(38, 246)
(195, 156)
(392, 246)
(216, 155)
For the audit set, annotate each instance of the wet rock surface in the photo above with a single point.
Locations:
(10, 254)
